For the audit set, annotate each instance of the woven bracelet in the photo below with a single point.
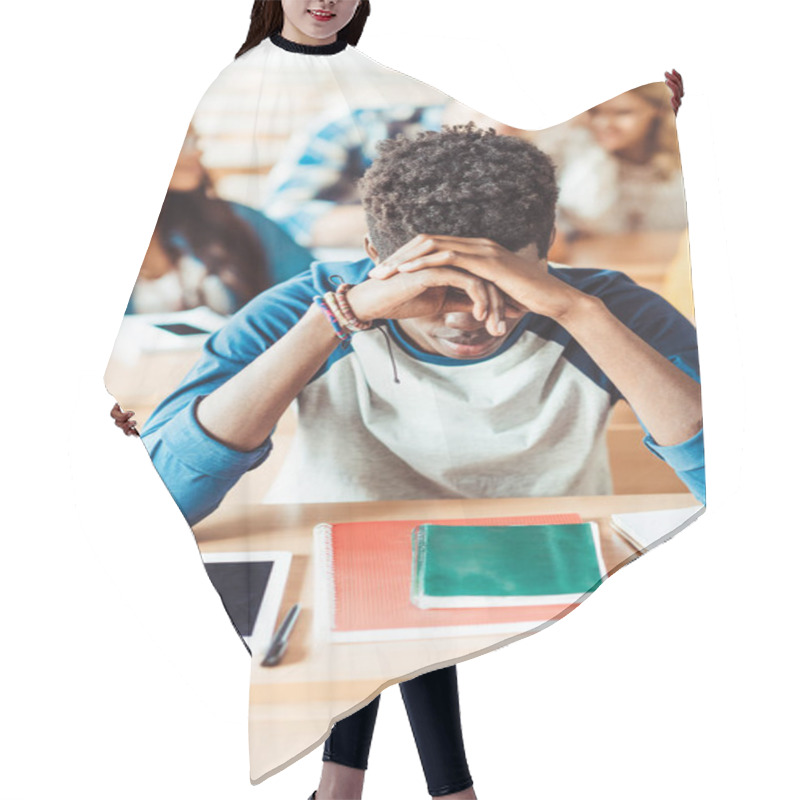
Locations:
(340, 332)
(333, 305)
(353, 322)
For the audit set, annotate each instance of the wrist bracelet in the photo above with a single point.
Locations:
(333, 304)
(340, 332)
(353, 322)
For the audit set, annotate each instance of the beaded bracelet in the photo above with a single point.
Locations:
(333, 304)
(353, 322)
(340, 332)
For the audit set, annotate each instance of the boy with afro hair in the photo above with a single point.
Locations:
(504, 370)
(453, 362)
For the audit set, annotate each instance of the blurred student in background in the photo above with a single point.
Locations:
(207, 251)
(618, 166)
(311, 191)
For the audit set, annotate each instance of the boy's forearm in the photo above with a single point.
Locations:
(243, 411)
(664, 397)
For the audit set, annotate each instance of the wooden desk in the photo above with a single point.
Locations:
(140, 384)
(625, 251)
(292, 705)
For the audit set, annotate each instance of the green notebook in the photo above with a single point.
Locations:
(468, 566)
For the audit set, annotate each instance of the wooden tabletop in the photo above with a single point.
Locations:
(293, 704)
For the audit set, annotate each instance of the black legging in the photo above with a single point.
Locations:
(431, 702)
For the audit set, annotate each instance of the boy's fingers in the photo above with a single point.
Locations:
(474, 287)
(480, 312)
(430, 251)
(479, 294)
(440, 258)
(481, 302)
(418, 246)
(496, 323)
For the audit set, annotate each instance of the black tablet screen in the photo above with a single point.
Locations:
(241, 585)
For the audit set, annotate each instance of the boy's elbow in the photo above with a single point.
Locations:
(696, 484)
(194, 505)
(193, 515)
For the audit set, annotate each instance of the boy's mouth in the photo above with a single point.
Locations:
(470, 345)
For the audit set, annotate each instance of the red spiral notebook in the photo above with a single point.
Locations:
(363, 586)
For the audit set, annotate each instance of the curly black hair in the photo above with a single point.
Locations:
(463, 181)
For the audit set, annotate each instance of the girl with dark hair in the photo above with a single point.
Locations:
(306, 23)
(207, 251)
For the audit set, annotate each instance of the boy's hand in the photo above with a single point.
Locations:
(425, 292)
(526, 281)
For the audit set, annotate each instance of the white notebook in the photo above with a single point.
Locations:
(646, 529)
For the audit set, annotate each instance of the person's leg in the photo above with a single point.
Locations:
(345, 755)
(433, 710)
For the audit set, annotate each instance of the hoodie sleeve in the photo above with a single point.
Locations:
(669, 332)
(665, 329)
(197, 469)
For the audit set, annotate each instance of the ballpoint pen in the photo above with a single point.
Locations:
(279, 642)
